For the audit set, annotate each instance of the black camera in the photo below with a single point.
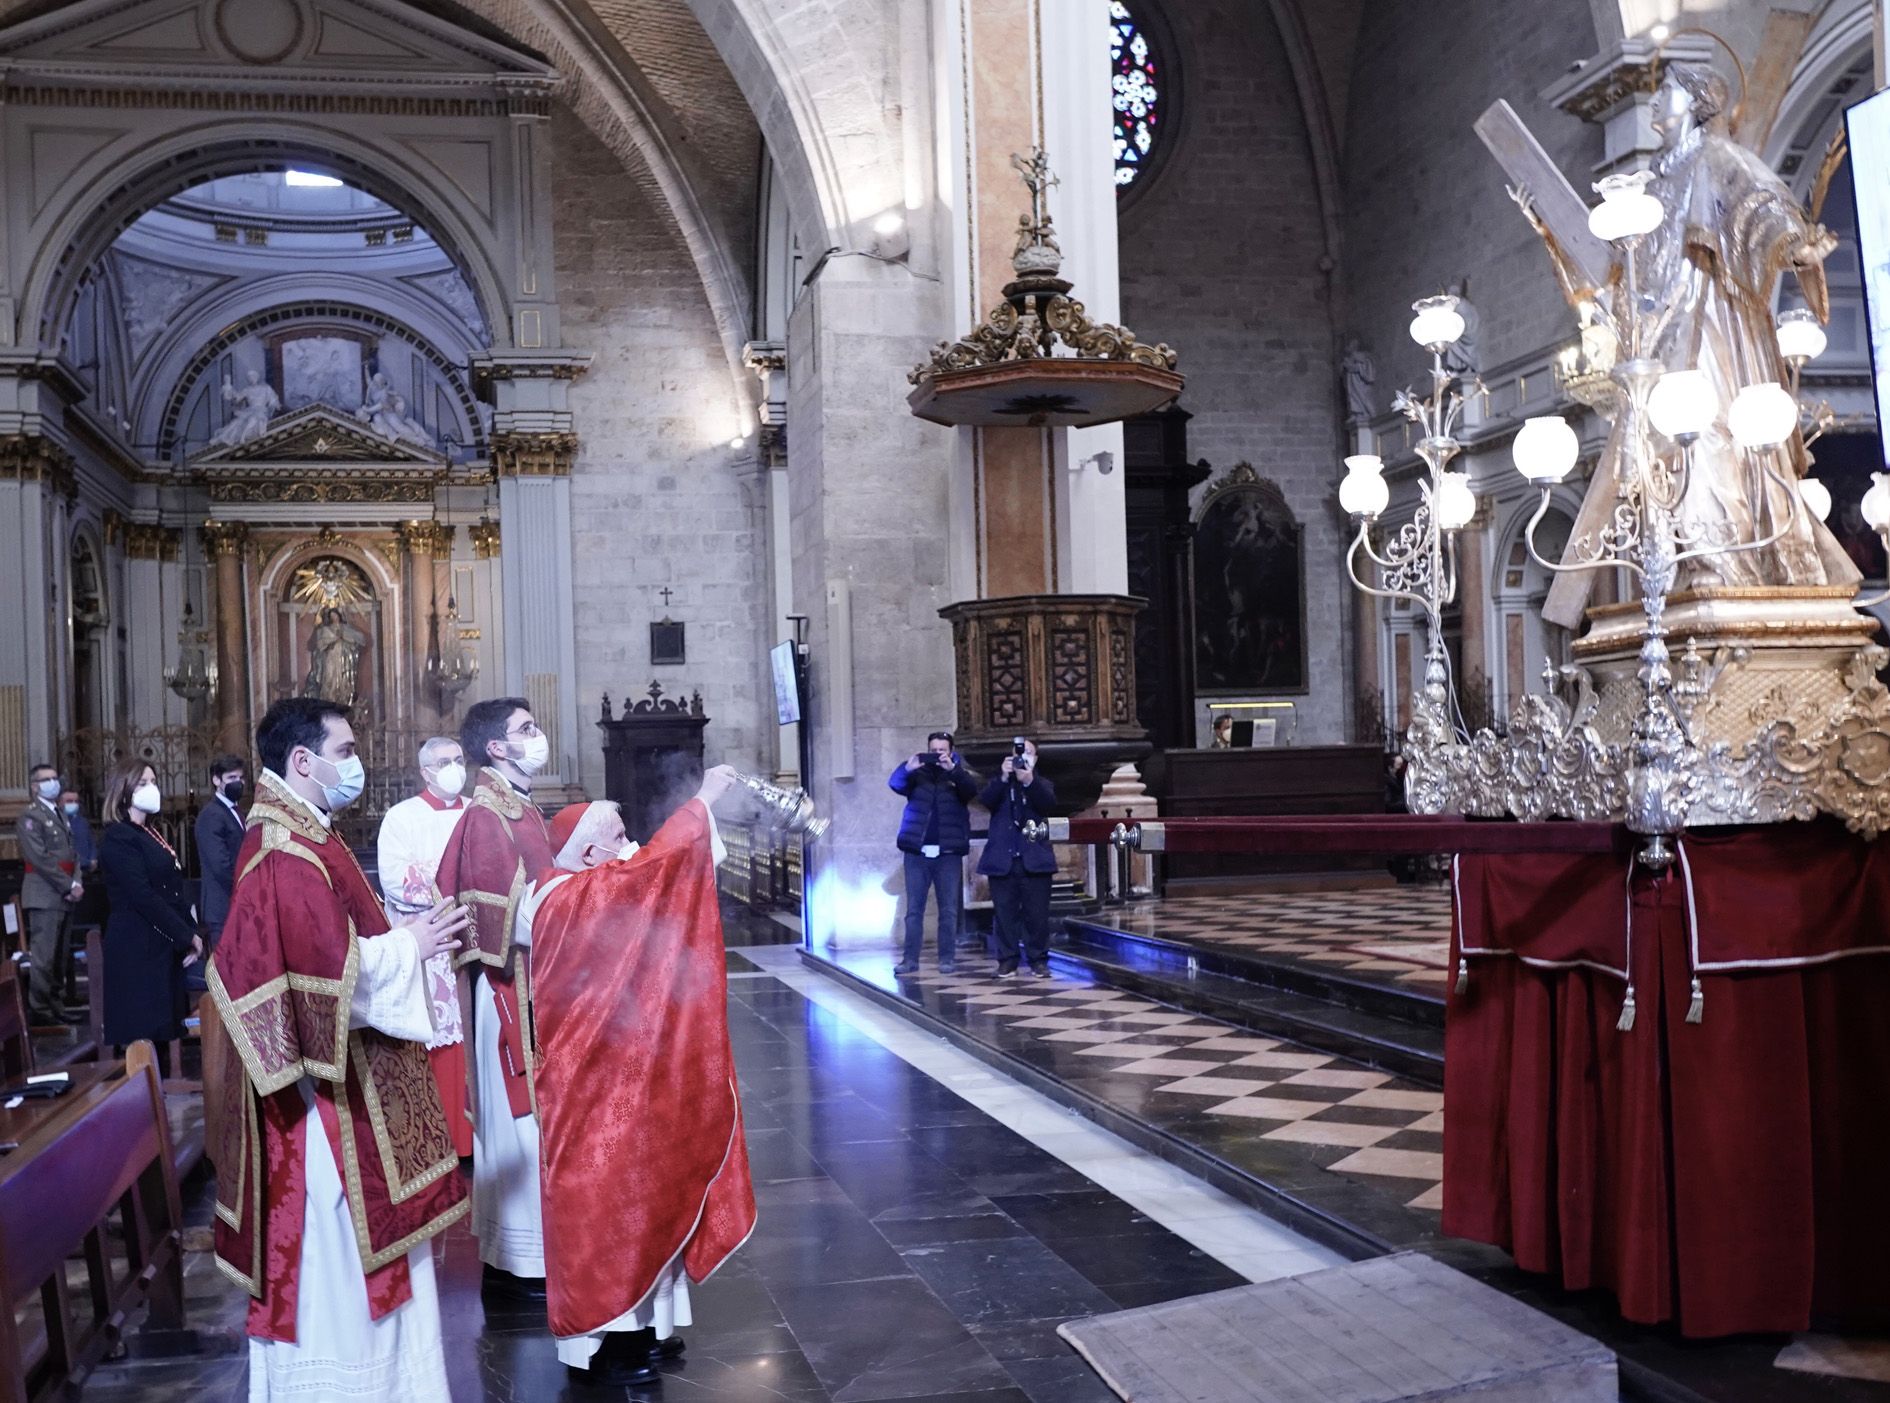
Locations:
(930, 758)
(1020, 759)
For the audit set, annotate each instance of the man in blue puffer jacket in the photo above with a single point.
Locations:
(934, 835)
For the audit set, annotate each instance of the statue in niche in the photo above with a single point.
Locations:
(1711, 268)
(253, 407)
(334, 659)
(385, 412)
(1361, 374)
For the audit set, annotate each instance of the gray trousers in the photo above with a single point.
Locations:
(49, 945)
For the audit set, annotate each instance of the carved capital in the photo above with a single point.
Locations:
(485, 539)
(534, 454)
(114, 527)
(422, 537)
(30, 458)
(221, 538)
(151, 541)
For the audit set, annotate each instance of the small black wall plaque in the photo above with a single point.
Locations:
(666, 643)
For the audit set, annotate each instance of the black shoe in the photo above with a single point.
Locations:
(906, 967)
(493, 1282)
(619, 1373)
(1007, 969)
(949, 967)
(664, 1350)
(1040, 971)
(76, 1016)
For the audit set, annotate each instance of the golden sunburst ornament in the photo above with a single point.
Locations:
(328, 584)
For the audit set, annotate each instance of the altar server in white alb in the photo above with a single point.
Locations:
(334, 1168)
(413, 837)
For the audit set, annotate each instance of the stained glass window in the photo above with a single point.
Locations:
(1135, 80)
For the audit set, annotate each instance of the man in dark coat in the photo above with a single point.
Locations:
(1020, 868)
(934, 836)
(219, 834)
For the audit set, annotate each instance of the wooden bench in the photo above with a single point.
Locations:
(16, 1038)
(100, 1152)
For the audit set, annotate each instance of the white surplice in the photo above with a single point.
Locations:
(508, 1218)
(340, 1350)
(666, 1308)
(413, 838)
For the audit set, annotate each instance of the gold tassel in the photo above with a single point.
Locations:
(1463, 975)
(1626, 1025)
(1696, 1006)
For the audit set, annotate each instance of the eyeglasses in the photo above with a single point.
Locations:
(528, 730)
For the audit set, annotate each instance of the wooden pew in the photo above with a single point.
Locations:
(16, 1038)
(102, 1151)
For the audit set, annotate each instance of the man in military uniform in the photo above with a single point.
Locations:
(49, 894)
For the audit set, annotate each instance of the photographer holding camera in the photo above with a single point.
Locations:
(1020, 868)
(934, 836)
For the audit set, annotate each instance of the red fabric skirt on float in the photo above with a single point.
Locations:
(1674, 1087)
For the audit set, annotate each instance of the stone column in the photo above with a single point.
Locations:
(226, 543)
(36, 485)
(419, 542)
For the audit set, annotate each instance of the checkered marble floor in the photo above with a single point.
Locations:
(1346, 1118)
(1392, 935)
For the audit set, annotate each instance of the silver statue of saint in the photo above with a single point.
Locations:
(334, 659)
(1711, 269)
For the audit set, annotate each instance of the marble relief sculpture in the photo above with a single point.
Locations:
(253, 407)
(385, 412)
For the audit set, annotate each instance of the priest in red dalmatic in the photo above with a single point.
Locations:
(498, 850)
(334, 1165)
(645, 1167)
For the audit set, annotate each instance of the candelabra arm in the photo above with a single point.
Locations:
(1601, 562)
(1450, 569)
(1351, 568)
(1791, 516)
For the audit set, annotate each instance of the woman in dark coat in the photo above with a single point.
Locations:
(151, 933)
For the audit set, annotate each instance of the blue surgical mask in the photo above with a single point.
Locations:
(350, 780)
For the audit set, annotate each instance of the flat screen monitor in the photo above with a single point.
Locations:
(787, 690)
(1868, 126)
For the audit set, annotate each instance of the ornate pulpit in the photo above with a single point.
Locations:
(652, 757)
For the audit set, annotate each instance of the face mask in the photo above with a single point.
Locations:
(450, 779)
(626, 852)
(350, 780)
(146, 799)
(534, 754)
(48, 789)
(233, 791)
(72, 810)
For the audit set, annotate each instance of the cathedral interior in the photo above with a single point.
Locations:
(775, 382)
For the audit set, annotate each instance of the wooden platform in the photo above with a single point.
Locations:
(1391, 1329)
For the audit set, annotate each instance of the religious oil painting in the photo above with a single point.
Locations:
(1249, 586)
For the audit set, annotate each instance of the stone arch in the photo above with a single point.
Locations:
(1841, 36)
(107, 200)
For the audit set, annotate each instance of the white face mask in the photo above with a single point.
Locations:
(450, 779)
(47, 789)
(534, 754)
(350, 780)
(146, 799)
(626, 852)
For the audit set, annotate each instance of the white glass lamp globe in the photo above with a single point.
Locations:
(1545, 449)
(1876, 504)
(1682, 403)
(1363, 490)
(1626, 210)
(1438, 322)
(1762, 415)
(1815, 495)
(1455, 503)
(1800, 338)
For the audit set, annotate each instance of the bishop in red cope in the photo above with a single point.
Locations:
(645, 1169)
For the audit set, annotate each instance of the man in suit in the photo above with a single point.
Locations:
(1020, 868)
(51, 889)
(219, 835)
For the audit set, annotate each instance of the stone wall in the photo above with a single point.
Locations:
(657, 496)
(1221, 257)
(1424, 199)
